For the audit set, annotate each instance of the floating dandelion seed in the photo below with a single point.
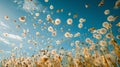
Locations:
(77, 34)
(67, 35)
(118, 24)
(80, 25)
(34, 25)
(108, 35)
(62, 10)
(87, 6)
(81, 20)
(5, 34)
(111, 18)
(106, 25)
(22, 19)
(87, 40)
(101, 3)
(117, 4)
(50, 29)
(30, 48)
(37, 14)
(97, 36)
(69, 21)
(58, 11)
(46, 0)
(18, 26)
(106, 12)
(6, 17)
(118, 36)
(14, 21)
(37, 33)
(58, 42)
(54, 33)
(103, 43)
(57, 21)
(53, 51)
(92, 29)
(48, 16)
(29, 41)
(102, 31)
(40, 21)
(77, 42)
(51, 7)
(71, 44)
(75, 15)
(69, 14)
(1, 51)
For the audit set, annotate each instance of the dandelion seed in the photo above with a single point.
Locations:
(81, 20)
(58, 42)
(6, 17)
(40, 21)
(106, 12)
(37, 33)
(57, 21)
(108, 35)
(80, 25)
(69, 14)
(87, 40)
(77, 42)
(106, 25)
(118, 36)
(72, 44)
(97, 36)
(58, 11)
(77, 34)
(75, 15)
(111, 18)
(22, 19)
(46, 0)
(69, 21)
(29, 41)
(118, 24)
(1, 51)
(48, 16)
(51, 7)
(34, 24)
(93, 30)
(54, 33)
(5, 34)
(103, 43)
(62, 10)
(68, 35)
(87, 6)
(30, 48)
(103, 31)
(18, 26)
(101, 3)
(37, 14)
(117, 4)
(50, 29)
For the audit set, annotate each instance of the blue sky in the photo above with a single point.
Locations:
(94, 18)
